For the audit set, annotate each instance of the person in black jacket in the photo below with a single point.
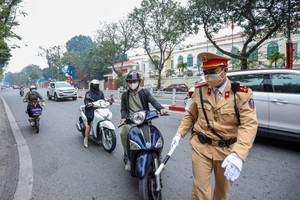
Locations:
(134, 99)
(94, 94)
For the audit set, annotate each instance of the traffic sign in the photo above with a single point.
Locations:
(71, 70)
(64, 69)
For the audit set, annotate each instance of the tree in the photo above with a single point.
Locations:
(79, 43)
(9, 11)
(160, 23)
(182, 67)
(276, 58)
(54, 59)
(170, 72)
(198, 67)
(258, 19)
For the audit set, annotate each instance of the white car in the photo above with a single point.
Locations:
(276, 94)
(60, 90)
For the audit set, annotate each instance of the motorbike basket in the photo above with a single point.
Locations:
(36, 112)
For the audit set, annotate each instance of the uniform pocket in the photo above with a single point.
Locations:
(228, 116)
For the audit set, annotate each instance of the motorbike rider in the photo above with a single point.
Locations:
(94, 94)
(136, 98)
(32, 97)
(21, 87)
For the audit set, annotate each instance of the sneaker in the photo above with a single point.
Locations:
(127, 166)
(85, 142)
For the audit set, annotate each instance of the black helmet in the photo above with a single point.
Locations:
(133, 75)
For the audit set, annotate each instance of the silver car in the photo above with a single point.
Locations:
(276, 94)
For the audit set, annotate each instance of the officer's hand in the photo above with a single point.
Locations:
(175, 140)
(122, 121)
(163, 111)
(233, 164)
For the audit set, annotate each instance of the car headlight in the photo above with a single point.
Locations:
(159, 143)
(138, 117)
(134, 145)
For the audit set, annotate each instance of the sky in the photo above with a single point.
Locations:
(53, 22)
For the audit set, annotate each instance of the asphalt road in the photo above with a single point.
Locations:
(63, 169)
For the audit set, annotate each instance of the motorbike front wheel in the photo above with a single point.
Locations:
(37, 125)
(147, 186)
(108, 140)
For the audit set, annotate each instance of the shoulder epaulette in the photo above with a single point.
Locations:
(243, 89)
(199, 84)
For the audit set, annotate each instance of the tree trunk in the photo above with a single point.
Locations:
(244, 63)
(159, 79)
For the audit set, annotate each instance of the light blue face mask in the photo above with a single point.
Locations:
(33, 90)
(213, 75)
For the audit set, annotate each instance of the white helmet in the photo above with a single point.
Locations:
(32, 87)
(95, 82)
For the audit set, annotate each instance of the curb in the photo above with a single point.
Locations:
(175, 108)
(25, 179)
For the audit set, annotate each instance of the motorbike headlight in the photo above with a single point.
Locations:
(138, 117)
(134, 145)
(159, 143)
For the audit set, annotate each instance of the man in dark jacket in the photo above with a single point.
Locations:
(94, 94)
(133, 100)
(32, 97)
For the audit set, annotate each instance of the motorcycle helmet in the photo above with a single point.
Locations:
(95, 84)
(32, 88)
(133, 75)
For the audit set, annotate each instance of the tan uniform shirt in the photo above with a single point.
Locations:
(223, 119)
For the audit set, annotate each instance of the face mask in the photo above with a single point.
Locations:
(133, 86)
(213, 80)
(33, 90)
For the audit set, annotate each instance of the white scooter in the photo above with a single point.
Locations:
(102, 129)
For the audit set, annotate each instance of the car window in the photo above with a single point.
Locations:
(286, 83)
(254, 81)
(63, 85)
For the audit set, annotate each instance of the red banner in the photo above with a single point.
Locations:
(69, 79)
(289, 55)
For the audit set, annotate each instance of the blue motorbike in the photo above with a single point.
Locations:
(144, 146)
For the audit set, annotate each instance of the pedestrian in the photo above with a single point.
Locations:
(134, 99)
(94, 94)
(224, 122)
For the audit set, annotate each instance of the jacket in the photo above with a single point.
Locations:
(145, 97)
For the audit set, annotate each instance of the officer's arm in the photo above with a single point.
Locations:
(248, 128)
(190, 116)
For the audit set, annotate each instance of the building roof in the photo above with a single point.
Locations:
(126, 63)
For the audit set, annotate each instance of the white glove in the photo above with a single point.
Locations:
(233, 164)
(175, 140)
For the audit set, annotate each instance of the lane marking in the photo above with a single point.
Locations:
(25, 180)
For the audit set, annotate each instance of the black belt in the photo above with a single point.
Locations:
(217, 143)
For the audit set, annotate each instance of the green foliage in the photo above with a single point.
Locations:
(258, 19)
(188, 72)
(277, 59)
(160, 23)
(4, 54)
(79, 43)
(182, 66)
(170, 72)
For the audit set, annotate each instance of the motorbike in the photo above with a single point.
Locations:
(144, 146)
(102, 129)
(35, 120)
(22, 92)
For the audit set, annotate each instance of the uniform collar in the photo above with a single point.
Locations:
(222, 88)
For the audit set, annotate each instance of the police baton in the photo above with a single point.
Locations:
(164, 162)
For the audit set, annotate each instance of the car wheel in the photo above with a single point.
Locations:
(48, 95)
(55, 97)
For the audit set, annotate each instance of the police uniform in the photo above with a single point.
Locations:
(223, 119)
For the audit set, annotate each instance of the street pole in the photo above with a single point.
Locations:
(289, 44)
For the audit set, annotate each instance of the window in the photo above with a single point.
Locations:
(286, 83)
(272, 48)
(180, 59)
(254, 55)
(219, 53)
(138, 67)
(295, 50)
(190, 60)
(235, 51)
(172, 64)
(254, 81)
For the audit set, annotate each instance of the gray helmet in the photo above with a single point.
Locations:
(133, 75)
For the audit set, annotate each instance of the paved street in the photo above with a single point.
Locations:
(63, 169)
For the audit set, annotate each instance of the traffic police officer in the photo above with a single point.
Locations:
(225, 127)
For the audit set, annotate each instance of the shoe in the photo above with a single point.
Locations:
(85, 142)
(30, 119)
(127, 166)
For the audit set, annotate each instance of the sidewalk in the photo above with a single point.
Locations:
(9, 159)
